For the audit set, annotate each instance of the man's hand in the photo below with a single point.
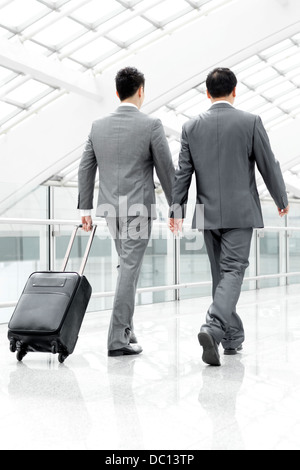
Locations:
(175, 225)
(283, 212)
(87, 223)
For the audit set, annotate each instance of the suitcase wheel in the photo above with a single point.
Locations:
(62, 357)
(54, 348)
(13, 346)
(20, 355)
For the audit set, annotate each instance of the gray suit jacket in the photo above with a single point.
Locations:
(222, 147)
(125, 146)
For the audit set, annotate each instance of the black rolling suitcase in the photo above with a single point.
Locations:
(51, 309)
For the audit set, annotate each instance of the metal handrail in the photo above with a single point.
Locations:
(175, 287)
(102, 295)
(47, 222)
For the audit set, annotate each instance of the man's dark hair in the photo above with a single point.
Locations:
(221, 82)
(128, 81)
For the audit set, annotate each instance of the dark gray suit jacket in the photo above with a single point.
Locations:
(222, 147)
(125, 146)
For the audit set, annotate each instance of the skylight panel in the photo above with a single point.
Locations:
(202, 88)
(6, 75)
(264, 108)
(293, 170)
(279, 90)
(121, 55)
(290, 62)
(246, 64)
(29, 92)
(253, 70)
(97, 10)
(296, 38)
(150, 38)
(245, 97)
(167, 10)
(292, 103)
(62, 31)
(197, 109)
(272, 114)
(192, 104)
(242, 89)
(19, 12)
(210, 4)
(184, 98)
(254, 103)
(36, 48)
(131, 30)
(181, 19)
(266, 74)
(95, 50)
(294, 75)
(280, 121)
(57, 3)
(3, 32)
(275, 50)
(7, 111)
(283, 99)
(271, 84)
(283, 55)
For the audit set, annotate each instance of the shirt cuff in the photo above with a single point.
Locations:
(85, 213)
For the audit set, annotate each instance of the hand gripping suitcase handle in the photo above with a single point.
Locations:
(87, 251)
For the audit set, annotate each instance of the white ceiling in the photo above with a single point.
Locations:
(59, 57)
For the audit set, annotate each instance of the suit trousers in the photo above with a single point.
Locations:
(228, 252)
(131, 236)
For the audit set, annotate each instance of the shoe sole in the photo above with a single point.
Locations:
(123, 353)
(210, 356)
(232, 352)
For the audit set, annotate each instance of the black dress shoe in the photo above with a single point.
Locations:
(211, 354)
(126, 351)
(233, 352)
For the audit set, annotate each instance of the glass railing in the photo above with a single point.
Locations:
(174, 267)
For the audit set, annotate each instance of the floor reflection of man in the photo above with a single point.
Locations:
(121, 374)
(218, 397)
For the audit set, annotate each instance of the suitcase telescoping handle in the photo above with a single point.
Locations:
(87, 251)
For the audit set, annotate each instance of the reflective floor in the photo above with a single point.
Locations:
(166, 398)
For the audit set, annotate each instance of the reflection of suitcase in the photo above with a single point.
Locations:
(51, 309)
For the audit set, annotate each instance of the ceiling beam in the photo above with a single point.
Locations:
(17, 57)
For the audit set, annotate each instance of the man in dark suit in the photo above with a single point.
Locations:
(222, 147)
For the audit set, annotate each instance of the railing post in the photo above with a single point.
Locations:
(258, 265)
(287, 249)
(177, 265)
(51, 236)
(282, 257)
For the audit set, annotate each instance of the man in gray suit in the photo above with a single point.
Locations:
(222, 147)
(126, 146)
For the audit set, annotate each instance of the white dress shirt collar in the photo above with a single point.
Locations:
(131, 105)
(223, 102)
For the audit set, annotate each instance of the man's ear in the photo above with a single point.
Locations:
(140, 91)
(234, 93)
(117, 93)
(208, 95)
